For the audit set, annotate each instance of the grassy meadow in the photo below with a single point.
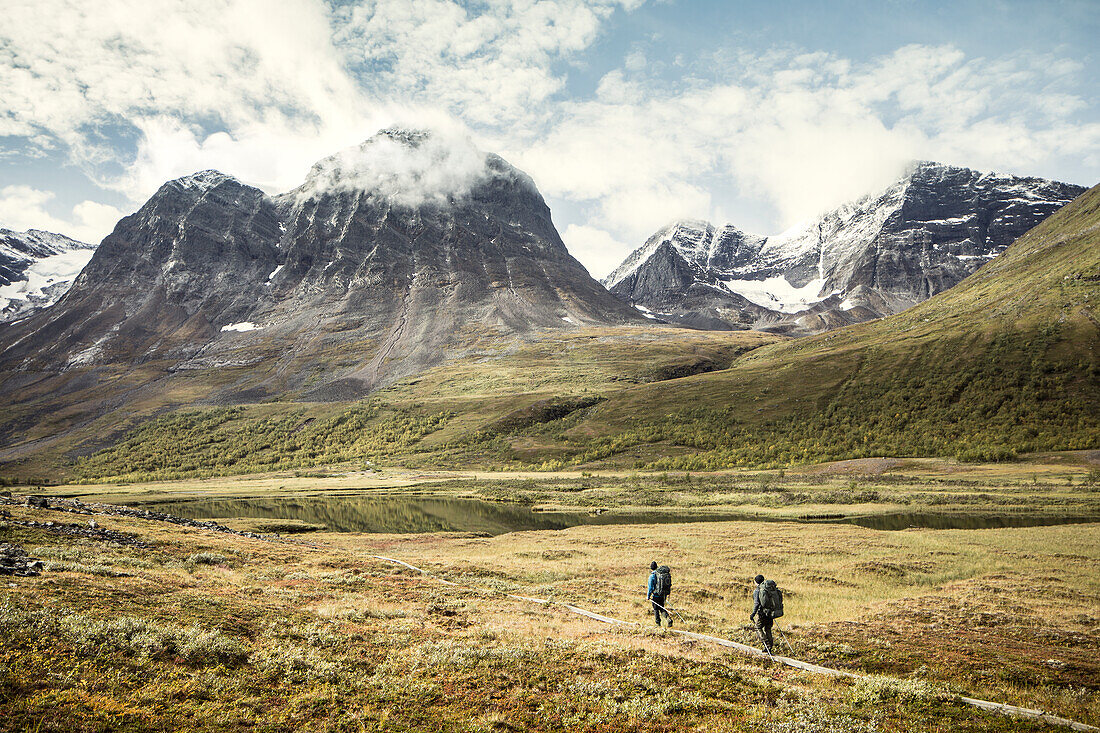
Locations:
(208, 631)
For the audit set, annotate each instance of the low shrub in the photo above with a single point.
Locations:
(872, 691)
(208, 558)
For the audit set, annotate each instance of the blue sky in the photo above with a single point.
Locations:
(627, 113)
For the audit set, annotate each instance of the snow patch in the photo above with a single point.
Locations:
(274, 273)
(242, 326)
(778, 294)
(952, 220)
(52, 274)
(645, 311)
(567, 319)
(203, 181)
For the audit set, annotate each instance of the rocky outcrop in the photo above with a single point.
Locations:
(163, 283)
(864, 260)
(15, 561)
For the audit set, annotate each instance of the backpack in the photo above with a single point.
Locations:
(663, 585)
(771, 599)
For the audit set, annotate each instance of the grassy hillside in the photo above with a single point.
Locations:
(466, 410)
(1006, 362)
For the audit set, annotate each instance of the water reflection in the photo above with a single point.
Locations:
(430, 514)
(963, 521)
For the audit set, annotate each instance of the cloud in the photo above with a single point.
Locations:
(90, 77)
(596, 248)
(408, 167)
(23, 207)
(799, 134)
(263, 91)
(492, 64)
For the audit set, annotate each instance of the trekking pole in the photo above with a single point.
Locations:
(668, 610)
(786, 642)
(760, 635)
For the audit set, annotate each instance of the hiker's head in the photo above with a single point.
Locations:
(759, 579)
(653, 565)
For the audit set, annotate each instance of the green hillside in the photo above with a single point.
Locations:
(1006, 362)
(465, 412)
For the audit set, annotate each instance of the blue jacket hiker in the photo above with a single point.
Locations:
(660, 585)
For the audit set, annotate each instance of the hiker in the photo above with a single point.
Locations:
(660, 585)
(767, 605)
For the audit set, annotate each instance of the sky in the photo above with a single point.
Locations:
(628, 114)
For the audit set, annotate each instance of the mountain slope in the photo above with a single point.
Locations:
(1007, 361)
(1004, 363)
(394, 256)
(36, 268)
(874, 257)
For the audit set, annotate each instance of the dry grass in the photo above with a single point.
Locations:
(318, 636)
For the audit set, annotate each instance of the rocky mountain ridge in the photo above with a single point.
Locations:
(873, 257)
(36, 268)
(389, 257)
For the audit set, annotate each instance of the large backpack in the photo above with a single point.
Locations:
(771, 599)
(663, 586)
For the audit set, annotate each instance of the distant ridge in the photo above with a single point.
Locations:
(1004, 363)
(870, 258)
(36, 268)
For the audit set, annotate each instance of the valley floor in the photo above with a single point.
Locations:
(145, 625)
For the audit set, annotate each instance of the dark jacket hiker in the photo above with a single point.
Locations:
(660, 585)
(767, 605)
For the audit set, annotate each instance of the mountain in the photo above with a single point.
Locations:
(874, 257)
(36, 268)
(391, 256)
(1005, 362)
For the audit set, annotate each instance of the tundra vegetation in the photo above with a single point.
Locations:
(209, 631)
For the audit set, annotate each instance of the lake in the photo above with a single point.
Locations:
(390, 514)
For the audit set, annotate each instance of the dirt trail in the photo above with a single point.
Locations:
(1003, 708)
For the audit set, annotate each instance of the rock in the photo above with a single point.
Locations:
(864, 260)
(14, 561)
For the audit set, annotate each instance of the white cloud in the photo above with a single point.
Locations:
(407, 167)
(23, 207)
(82, 74)
(597, 250)
(800, 133)
(492, 65)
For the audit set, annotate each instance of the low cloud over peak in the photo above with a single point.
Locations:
(409, 167)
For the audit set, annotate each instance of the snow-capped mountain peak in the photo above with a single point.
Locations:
(36, 268)
(880, 254)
